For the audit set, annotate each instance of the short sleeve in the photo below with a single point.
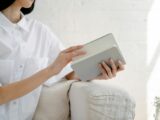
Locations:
(55, 47)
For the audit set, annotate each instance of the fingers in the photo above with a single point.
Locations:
(120, 66)
(103, 73)
(73, 51)
(73, 48)
(107, 69)
(77, 53)
(113, 67)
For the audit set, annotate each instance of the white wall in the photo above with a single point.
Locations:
(79, 21)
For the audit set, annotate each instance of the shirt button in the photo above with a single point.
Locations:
(20, 66)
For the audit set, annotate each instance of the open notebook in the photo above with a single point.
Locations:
(103, 48)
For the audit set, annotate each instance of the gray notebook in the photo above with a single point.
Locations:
(103, 48)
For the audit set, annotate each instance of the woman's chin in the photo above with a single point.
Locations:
(29, 4)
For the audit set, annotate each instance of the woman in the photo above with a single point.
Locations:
(30, 56)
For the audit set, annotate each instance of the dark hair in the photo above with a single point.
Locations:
(28, 10)
(6, 3)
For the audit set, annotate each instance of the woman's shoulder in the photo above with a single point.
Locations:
(42, 28)
(37, 25)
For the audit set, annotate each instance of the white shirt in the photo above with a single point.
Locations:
(25, 48)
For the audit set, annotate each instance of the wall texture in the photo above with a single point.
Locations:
(80, 21)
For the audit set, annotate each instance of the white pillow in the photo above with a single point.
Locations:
(100, 102)
(54, 102)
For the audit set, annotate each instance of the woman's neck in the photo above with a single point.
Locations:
(13, 13)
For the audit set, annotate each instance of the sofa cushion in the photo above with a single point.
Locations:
(54, 102)
(93, 101)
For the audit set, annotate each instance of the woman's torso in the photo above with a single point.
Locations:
(23, 52)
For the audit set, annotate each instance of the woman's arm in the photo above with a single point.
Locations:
(18, 89)
(21, 88)
(72, 76)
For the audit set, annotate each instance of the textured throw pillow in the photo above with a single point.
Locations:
(54, 102)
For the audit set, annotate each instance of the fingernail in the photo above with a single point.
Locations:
(100, 66)
(111, 60)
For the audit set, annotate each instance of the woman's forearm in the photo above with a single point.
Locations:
(21, 88)
(72, 76)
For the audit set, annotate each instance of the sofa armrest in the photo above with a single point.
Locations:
(54, 102)
(92, 101)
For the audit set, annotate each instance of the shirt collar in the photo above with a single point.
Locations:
(6, 24)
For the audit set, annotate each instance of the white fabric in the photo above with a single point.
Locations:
(100, 102)
(78, 102)
(54, 102)
(25, 48)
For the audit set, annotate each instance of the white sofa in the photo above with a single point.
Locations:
(74, 100)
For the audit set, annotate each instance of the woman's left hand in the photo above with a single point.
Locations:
(109, 70)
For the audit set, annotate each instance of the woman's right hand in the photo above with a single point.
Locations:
(65, 57)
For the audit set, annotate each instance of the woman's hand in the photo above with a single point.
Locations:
(66, 57)
(109, 70)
